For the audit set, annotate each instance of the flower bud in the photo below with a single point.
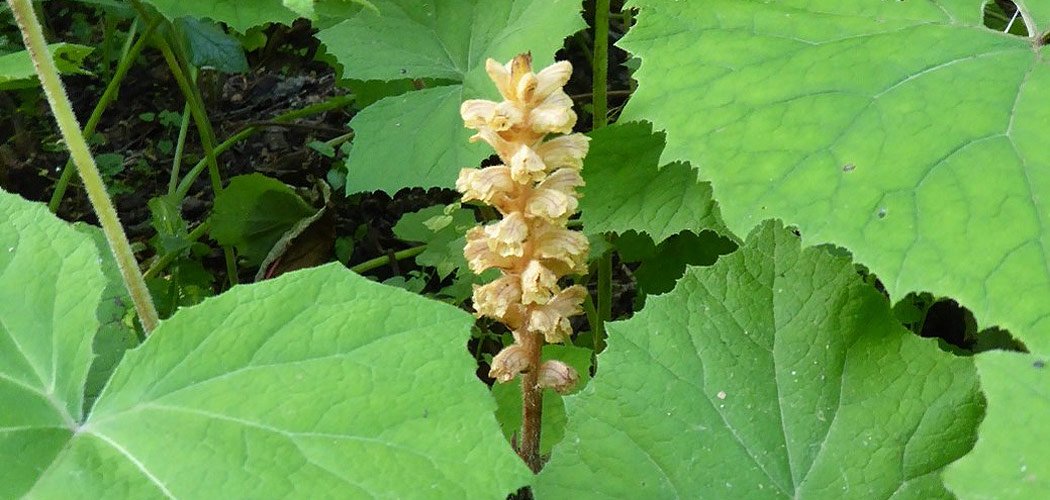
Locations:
(509, 362)
(558, 376)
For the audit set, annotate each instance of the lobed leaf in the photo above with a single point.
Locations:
(242, 15)
(16, 69)
(628, 190)
(906, 132)
(418, 139)
(316, 384)
(50, 286)
(238, 14)
(775, 373)
(1009, 459)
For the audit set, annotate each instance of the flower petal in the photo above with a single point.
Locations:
(494, 299)
(552, 318)
(477, 113)
(554, 115)
(551, 204)
(566, 151)
(558, 376)
(506, 238)
(500, 75)
(562, 250)
(526, 165)
(480, 257)
(491, 185)
(565, 180)
(538, 284)
(509, 362)
(550, 79)
(504, 148)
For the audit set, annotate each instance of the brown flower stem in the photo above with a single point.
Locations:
(531, 405)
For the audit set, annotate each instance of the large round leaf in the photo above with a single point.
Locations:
(628, 190)
(50, 286)
(906, 132)
(1010, 458)
(317, 384)
(775, 373)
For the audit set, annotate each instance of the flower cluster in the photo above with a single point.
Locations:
(534, 189)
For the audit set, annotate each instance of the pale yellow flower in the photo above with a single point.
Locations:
(552, 319)
(557, 375)
(555, 198)
(549, 81)
(494, 299)
(538, 283)
(509, 362)
(517, 83)
(527, 166)
(566, 151)
(554, 115)
(480, 256)
(506, 238)
(491, 185)
(564, 251)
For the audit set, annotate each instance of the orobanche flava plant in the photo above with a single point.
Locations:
(535, 192)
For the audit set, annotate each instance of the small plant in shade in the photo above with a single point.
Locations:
(534, 189)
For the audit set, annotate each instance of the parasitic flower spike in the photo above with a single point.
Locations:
(535, 192)
(534, 189)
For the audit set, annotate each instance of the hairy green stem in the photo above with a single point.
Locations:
(104, 101)
(85, 163)
(165, 260)
(196, 107)
(600, 103)
(600, 65)
(180, 146)
(383, 260)
(334, 103)
(183, 78)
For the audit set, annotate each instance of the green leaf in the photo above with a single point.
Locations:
(114, 335)
(445, 241)
(905, 132)
(316, 384)
(627, 190)
(775, 373)
(238, 14)
(253, 212)
(1040, 13)
(1009, 459)
(418, 139)
(660, 266)
(210, 46)
(50, 285)
(16, 70)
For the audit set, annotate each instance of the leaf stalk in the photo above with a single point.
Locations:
(32, 35)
